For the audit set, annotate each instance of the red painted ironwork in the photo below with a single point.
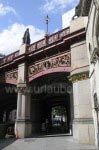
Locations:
(50, 40)
(11, 77)
(60, 63)
(9, 58)
(49, 71)
(41, 43)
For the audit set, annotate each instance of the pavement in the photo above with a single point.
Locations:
(56, 142)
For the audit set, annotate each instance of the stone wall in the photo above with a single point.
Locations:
(93, 50)
(83, 128)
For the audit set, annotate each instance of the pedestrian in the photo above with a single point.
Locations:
(47, 126)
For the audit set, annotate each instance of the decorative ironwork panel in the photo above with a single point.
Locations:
(32, 47)
(53, 38)
(41, 43)
(16, 54)
(50, 39)
(10, 58)
(64, 33)
(59, 61)
(13, 75)
(4, 60)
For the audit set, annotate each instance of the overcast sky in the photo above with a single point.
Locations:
(17, 15)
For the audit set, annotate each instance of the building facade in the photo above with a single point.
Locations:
(90, 10)
(92, 37)
(70, 57)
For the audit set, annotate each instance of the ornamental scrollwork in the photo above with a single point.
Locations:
(24, 90)
(59, 61)
(11, 75)
(79, 77)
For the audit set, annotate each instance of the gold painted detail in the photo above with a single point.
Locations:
(13, 75)
(79, 77)
(59, 61)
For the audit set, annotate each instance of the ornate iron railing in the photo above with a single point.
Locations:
(48, 40)
(9, 58)
(37, 45)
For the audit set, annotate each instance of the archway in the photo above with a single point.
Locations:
(8, 103)
(49, 91)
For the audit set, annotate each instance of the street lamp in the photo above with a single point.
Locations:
(47, 21)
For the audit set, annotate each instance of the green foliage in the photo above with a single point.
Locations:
(58, 110)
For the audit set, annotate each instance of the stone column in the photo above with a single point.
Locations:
(19, 105)
(26, 102)
(83, 127)
(23, 126)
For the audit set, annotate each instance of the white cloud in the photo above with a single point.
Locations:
(11, 38)
(6, 9)
(54, 5)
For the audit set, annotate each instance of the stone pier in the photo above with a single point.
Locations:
(23, 126)
(83, 128)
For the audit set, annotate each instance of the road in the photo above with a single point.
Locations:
(44, 143)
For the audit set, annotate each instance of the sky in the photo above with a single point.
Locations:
(17, 15)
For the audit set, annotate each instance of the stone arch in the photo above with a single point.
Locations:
(49, 71)
(50, 90)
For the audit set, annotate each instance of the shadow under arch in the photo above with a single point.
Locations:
(43, 102)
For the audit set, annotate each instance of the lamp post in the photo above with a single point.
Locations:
(47, 21)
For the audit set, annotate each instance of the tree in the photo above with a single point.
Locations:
(58, 110)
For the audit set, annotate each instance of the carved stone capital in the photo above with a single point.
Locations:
(24, 89)
(79, 77)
